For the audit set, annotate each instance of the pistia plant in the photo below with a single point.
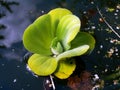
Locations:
(55, 39)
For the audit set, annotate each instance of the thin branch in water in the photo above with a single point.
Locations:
(108, 23)
(53, 85)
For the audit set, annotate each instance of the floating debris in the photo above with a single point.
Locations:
(80, 83)
(110, 9)
(117, 27)
(115, 14)
(118, 6)
(93, 27)
(42, 11)
(106, 70)
(92, 2)
(116, 33)
(115, 82)
(17, 66)
(117, 10)
(114, 41)
(109, 53)
(101, 46)
(15, 80)
(101, 20)
(96, 77)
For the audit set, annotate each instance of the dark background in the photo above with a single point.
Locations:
(16, 15)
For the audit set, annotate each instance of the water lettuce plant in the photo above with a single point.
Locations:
(55, 39)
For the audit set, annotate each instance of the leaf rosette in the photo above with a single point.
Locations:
(55, 38)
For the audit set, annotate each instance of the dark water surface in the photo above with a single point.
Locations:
(13, 72)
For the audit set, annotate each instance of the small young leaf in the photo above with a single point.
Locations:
(73, 52)
(56, 46)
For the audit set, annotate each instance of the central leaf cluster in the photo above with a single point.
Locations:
(55, 38)
(56, 47)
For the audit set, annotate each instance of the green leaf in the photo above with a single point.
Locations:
(67, 29)
(83, 38)
(38, 36)
(56, 46)
(56, 15)
(65, 68)
(42, 65)
(55, 37)
(73, 52)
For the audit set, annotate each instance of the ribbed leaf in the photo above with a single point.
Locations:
(38, 36)
(73, 52)
(42, 65)
(56, 15)
(83, 38)
(67, 29)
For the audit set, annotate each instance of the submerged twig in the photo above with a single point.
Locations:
(108, 23)
(53, 85)
(48, 84)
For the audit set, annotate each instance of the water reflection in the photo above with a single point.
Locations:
(14, 75)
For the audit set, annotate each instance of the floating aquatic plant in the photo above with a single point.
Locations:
(55, 39)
